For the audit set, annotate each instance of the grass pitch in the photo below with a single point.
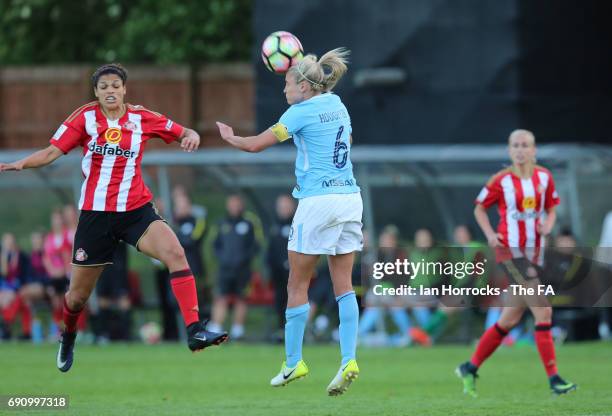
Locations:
(233, 380)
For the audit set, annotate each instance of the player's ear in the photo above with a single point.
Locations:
(96, 92)
(303, 86)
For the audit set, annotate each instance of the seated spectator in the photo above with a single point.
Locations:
(57, 256)
(13, 269)
(373, 314)
(114, 306)
(35, 282)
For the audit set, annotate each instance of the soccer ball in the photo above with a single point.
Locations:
(280, 51)
(150, 333)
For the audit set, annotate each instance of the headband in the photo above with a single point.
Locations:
(316, 84)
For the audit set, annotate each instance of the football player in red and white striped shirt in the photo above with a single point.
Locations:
(525, 196)
(115, 203)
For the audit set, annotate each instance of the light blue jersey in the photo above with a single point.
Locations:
(320, 128)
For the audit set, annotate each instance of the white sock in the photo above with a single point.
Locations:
(214, 327)
(237, 331)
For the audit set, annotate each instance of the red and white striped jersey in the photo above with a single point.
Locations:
(112, 153)
(521, 204)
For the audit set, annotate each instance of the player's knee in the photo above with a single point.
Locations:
(76, 299)
(509, 322)
(543, 314)
(296, 286)
(174, 255)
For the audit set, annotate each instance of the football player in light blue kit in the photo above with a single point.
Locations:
(328, 217)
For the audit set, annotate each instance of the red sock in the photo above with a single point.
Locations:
(184, 289)
(70, 318)
(488, 343)
(10, 312)
(82, 321)
(57, 315)
(26, 318)
(546, 348)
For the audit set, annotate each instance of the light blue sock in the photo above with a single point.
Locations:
(296, 318)
(422, 315)
(401, 319)
(349, 322)
(493, 315)
(368, 320)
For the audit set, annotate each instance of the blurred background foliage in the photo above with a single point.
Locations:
(144, 31)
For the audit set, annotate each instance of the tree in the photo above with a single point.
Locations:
(156, 31)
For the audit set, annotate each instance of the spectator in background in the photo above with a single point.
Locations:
(198, 211)
(277, 257)
(322, 302)
(606, 233)
(71, 219)
(464, 249)
(191, 226)
(56, 258)
(579, 282)
(13, 269)
(372, 317)
(114, 306)
(424, 250)
(34, 286)
(37, 273)
(604, 255)
(167, 304)
(235, 247)
(364, 260)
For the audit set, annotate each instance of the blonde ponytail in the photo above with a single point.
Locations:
(322, 74)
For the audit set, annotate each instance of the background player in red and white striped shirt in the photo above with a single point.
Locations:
(525, 196)
(115, 203)
(526, 205)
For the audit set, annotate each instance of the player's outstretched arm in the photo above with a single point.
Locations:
(252, 144)
(41, 158)
(190, 140)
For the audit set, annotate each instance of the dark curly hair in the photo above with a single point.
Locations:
(116, 69)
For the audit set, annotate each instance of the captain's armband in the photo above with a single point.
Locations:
(280, 132)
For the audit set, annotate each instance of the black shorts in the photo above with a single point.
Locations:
(520, 270)
(234, 280)
(59, 285)
(98, 233)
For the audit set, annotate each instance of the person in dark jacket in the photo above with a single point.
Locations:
(235, 247)
(190, 230)
(277, 257)
(191, 225)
